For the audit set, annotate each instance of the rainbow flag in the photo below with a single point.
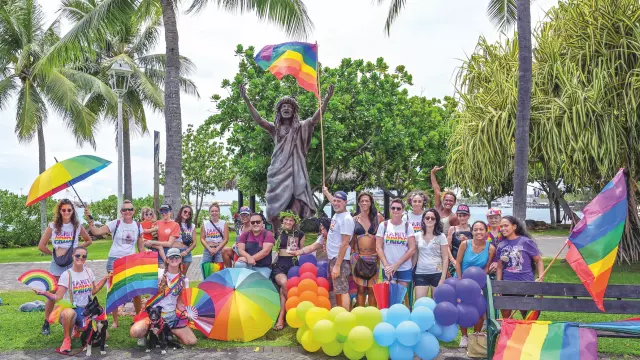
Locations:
(297, 59)
(593, 243)
(133, 275)
(544, 340)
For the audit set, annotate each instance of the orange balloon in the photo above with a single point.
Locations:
(324, 302)
(308, 296)
(322, 292)
(292, 303)
(293, 292)
(307, 285)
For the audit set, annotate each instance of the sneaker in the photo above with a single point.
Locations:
(45, 329)
(463, 342)
(66, 345)
(141, 342)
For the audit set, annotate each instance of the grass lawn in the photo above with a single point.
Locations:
(551, 232)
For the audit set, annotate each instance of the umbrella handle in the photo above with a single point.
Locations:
(74, 190)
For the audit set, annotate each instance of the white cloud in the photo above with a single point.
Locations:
(428, 38)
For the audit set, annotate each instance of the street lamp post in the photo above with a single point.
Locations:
(119, 80)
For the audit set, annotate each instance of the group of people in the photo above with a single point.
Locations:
(419, 248)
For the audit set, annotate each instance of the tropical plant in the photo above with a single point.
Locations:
(130, 43)
(24, 42)
(20, 225)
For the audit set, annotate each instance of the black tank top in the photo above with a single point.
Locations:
(455, 240)
(284, 239)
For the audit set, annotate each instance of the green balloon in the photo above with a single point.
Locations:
(333, 348)
(378, 352)
(371, 317)
(334, 312)
(303, 308)
(352, 354)
(344, 323)
(360, 338)
(324, 332)
(301, 332)
(341, 339)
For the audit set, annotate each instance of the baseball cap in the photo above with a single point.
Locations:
(494, 211)
(173, 252)
(165, 207)
(341, 195)
(463, 209)
(245, 210)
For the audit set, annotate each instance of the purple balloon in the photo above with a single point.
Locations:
(445, 293)
(323, 269)
(476, 274)
(294, 271)
(451, 281)
(468, 291)
(481, 305)
(446, 313)
(307, 258)
(467, 315)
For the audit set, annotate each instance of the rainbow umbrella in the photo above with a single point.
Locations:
(198, 308)
(64, 174)
(246, 304)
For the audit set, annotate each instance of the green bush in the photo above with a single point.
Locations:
(106, 209)
(19, 224)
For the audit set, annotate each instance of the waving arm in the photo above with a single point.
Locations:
(254, 113)
(316, 117)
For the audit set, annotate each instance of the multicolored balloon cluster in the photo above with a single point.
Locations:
(306, 284)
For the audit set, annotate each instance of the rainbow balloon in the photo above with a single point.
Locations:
(39, 280)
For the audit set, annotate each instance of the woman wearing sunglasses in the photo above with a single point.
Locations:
(433, 254)
(168, 231)
(170, 285)
(64, 233)
(185, 241)
(76, 285)
(127, 237)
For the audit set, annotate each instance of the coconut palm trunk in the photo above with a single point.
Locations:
(42, 163)
(172, 112)
(521, 162)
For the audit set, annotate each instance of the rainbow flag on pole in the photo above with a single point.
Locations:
(133, 275)
(544, 340)
(297, 59)
(593, 243)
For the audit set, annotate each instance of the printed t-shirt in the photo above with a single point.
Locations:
(395, 242)
(125, 238)
(81, 285)
(167, 229)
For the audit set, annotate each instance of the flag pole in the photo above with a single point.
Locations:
(320, 110)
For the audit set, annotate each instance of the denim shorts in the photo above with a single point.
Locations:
(264, 270)
(404, 275)
(206, 256)
(56, 270)
(427, 279)
(110, 261)
(187, 259)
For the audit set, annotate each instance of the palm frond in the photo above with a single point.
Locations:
(7, 87)
(158, 62)
(394, 11)
(90, 84)
(30, 111)
(187, 86)
(147, 38)
(502, 13)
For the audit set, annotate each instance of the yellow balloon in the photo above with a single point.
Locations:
(324, 332)
(314, 315)
(360, 338)
(360, 314)
(350, 353)
(300, 332)
(344, 322)
(371, 317)
(309, 343)
(293, 320)
(333, 348)
(377, 352)
(303, 307)
(335, 311)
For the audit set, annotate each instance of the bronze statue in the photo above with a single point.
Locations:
(287, 177)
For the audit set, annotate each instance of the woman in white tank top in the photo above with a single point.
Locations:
(214, 235)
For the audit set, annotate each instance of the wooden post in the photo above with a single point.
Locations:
(387, 204)
(320, 109)
(252, 203)
(240, 200)
(156, 171)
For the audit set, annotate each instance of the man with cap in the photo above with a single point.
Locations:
(228, 253)
(338, 248)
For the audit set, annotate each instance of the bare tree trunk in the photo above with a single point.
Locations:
(42, 164)
(559, 198)
(551, 208)
(126, 148)
(521, 163)
(556, 203)
(172, 112)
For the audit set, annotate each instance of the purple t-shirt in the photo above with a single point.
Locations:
(516, 256)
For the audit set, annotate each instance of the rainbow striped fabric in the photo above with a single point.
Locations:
(543, 340)
(593, 243)
(297, 59)
(133, 275)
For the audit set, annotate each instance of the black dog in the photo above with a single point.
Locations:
(159, 331)
(94, 314)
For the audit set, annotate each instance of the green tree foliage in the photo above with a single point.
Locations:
(375, 134)
(20, 224)
(106, 209)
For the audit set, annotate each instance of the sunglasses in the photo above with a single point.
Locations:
(164, 211)
(175, 257)
(66, 210)
(78, 256)
(127, 210)
(396, 208)
(430, 218)
(256, 222)
(148, 214)
(187, 212)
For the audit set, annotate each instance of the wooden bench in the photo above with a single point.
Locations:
(560, 297)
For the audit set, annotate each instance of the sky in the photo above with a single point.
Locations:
(430, 38)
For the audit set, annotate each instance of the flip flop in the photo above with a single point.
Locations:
(278, 327)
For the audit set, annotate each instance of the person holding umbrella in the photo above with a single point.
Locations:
(127, 236)
(64, 233)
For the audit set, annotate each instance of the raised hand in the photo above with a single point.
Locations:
(243, 91)
(437, 168)
(329, 93)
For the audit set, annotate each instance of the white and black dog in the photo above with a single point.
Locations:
(159, 331)
(94, 314)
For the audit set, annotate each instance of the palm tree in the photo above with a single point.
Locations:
(131, 43)
(505, 13)
(24, 41)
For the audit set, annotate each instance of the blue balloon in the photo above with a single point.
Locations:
(323, 269)
(384, 314)
(425, 301)
(398, 313)
(468, 291)
(481, 305)
(449, 333)
(451, 281)
(398, 351)
(294, 271)
(428, 347)
(476, 274)
(445, 293)
(307, 258)
(467, 315)
(446, 313)
(408, 333)
(435, 330)
(384, 334)
(423, 316)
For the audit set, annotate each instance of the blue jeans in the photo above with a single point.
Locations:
(265, 271)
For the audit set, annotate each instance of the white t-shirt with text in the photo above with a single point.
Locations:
(395, 242)
(81, 285)
(414, 220)
(125, 238)
(430, 254)
(63, 239)
(341, 224)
